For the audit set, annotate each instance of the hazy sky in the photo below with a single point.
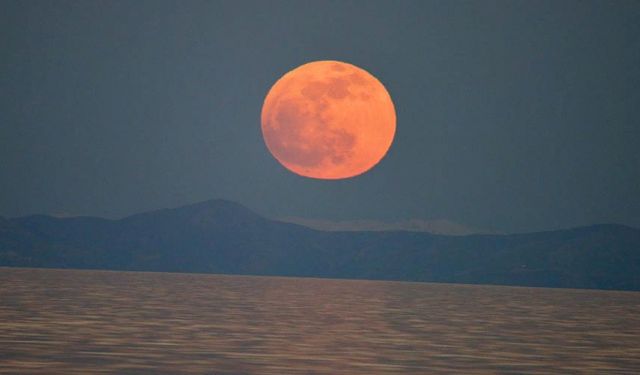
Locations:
(512, 116)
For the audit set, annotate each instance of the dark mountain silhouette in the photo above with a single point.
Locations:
(224, 237)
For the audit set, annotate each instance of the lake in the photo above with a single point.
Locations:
(81, 322)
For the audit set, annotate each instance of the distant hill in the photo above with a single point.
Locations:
(439, 226)
(224, 237)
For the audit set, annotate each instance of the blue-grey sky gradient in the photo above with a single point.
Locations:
(512, 115)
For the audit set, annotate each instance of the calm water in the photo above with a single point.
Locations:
(81, 322)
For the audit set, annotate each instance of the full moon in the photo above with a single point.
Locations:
(328, 120)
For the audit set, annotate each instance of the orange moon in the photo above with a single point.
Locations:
(328, 120)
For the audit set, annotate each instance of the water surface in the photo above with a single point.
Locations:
(80, 322)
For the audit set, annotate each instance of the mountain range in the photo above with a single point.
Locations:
(224, 237)
(438, 226)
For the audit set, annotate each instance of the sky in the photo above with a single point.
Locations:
(512, 116)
